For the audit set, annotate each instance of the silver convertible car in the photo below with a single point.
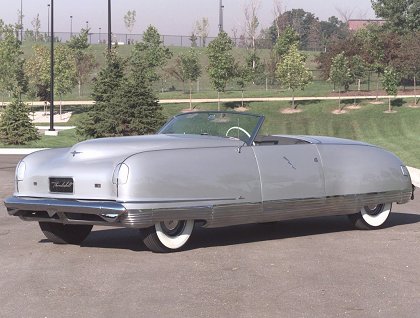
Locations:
(208, 169)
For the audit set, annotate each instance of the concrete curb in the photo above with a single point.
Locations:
(414, 172)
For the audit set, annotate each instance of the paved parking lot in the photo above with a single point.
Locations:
(317, 267)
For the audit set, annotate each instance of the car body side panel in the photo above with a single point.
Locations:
(290, 172)
(357, 169)
(192, 177)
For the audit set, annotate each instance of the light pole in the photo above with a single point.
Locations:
(87, 25)
(52, 70)
(221, 6)
(100, 34)
(71, 26)
(48, 21)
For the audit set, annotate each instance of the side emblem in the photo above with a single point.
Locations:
(75, 153)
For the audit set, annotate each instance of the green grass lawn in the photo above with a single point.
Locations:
(398, 132)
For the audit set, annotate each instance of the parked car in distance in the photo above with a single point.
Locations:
(209, 169)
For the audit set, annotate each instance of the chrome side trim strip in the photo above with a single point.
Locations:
(115, 214)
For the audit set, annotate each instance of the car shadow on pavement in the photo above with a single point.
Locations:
(129, 239)
(285, 229)
(116, 238)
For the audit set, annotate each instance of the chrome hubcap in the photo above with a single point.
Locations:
(374, 210)
(172, 227)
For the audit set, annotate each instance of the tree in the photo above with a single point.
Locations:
(251, 24)
(99, 120)
(331, 29)
(38, 69)
(16, 128)
(193, 39)
(358, 69)
(402, 16)
(408, 59)
(292, 72)
(65, 72)
(243, 76)
(130, 20)
(390, 82)
(15, 124)
(302, 22)
(84, 59)
(190, 65)
(340, 74)
(285, 41)
(125, 101)
(150, 54)
(221, 62)
(202, 30)
(12, 77)
(36, 24)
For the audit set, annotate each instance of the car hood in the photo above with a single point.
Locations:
(127, 146)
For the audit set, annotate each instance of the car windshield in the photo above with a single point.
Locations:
(222, 124)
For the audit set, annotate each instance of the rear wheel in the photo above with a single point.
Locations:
(371, 217)
(65, 233)
(167, 236)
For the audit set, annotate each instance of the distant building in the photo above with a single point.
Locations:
(355, 24)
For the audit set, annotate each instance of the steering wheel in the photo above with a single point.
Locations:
(238, 128)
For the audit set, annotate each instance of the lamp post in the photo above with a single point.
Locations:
(52, 70)
(100, 34)
(48, 21)
(87, 25)
(71, 26)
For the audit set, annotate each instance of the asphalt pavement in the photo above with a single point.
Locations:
(319, 267)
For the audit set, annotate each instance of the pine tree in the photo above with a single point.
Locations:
(16, 128)
(125, 102)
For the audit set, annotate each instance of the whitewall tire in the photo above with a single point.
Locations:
(168, 236)
(371, 217)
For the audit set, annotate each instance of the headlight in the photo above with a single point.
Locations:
(120, 175)
(20, 171)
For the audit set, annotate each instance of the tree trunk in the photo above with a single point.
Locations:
(377, 87)
(61, 102)
(339, 99)
(190, 95)
(293, 100)
(79, 82)
(218, 100)
(415, 93)
(242, 98)
(389, 103)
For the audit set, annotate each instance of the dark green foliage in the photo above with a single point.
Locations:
(16, 128)
(125, 102)
(402, 16)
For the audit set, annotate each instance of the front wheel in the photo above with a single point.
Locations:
(371, 217)
(167, 236)
(65, 233)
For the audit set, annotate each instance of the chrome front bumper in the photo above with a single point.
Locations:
(68, 211)
(96, 212)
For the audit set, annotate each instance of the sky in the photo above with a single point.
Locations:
(171, 17)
